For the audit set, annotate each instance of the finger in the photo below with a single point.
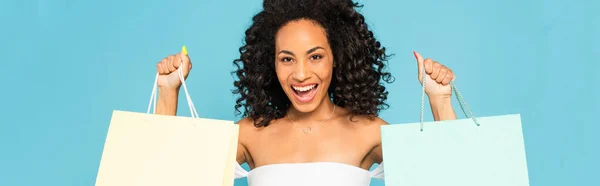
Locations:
(185, 58)
(435, 69)
(419, 60)
(419, 64)
(170, 65)
(176, 62)
(159, 66)
(428, 63)
(449, 77)
(167, 64)
(442, 74)
(185, 61)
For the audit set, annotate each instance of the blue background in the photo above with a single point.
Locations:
(65, 65)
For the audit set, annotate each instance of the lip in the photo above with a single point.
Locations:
(312, 95)
(303, 85)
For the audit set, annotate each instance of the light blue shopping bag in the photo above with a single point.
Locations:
(468, 152)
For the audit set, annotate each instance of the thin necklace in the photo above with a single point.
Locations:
(308, 129)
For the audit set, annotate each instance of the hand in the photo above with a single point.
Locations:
(168, 78)
(437, 78)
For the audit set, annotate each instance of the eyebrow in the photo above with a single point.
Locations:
(307, 52)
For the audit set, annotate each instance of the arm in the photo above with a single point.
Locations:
(241, 154)
(167, 101)
(246, 125)
(376, 154)
(441, 107)
(169, 82)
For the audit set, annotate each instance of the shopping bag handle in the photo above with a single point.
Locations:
(459, 98)
(153, 97)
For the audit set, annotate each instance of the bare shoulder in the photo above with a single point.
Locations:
(246, 126)
(378, 121)
(367, 121)
(367, 128)
(245, 122)
(371, 126)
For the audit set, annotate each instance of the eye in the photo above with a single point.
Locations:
(316, 57)
(286, 59)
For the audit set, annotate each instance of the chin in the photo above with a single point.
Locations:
(305, 108)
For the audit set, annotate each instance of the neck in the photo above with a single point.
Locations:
(322, 112)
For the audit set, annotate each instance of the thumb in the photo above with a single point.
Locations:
(185, 59)
(419, 59)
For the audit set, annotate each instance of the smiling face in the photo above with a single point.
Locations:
(303, 63)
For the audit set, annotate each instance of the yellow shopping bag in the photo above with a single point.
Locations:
(143, 149)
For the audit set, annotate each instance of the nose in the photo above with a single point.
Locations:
(301, 71)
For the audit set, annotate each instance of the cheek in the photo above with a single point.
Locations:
(325, 70)
(282, 74)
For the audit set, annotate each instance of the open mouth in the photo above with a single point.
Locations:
(305, 93)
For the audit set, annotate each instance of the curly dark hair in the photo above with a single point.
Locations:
(358, 56)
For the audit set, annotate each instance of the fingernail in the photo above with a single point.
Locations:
(184, 50)
(415, 53)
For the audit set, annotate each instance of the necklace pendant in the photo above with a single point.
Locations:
(307, 130)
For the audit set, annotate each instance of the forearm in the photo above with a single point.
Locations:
(441, 107)
(167, 101)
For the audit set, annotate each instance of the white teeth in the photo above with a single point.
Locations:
(304, 88)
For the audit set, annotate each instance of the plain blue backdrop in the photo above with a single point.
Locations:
(65, 65)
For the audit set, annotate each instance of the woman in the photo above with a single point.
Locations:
(309, 84)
